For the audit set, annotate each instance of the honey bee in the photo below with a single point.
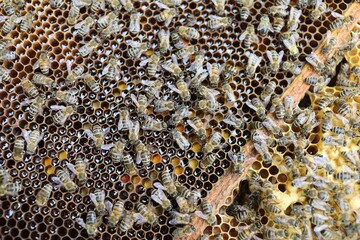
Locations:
(182, 89)
(257, 105)
(107, 20)
(137, 49)
(7, 55)
(180, 113)
(249, 36)
(4, 176)
(98, 198)
(265, 26)
(111, 30)
(163, 106)
(36, 104)
(252, 65)
(115, 5)
(89, 47)
(5, 43)
(112, 70)
(340, 20)
(97, 135)
(142, 154)
(219, 6)
(83, 27)
(18, 151)
(134, 25)
(278, 11)
(44, 194)
(206, 92)
(168, 183)
(141, 103)
(159, 197)
(262, 149)
(134, 128)
(182, 232)
(145, 214)
(29, 88)
(293, 22)
(129, 164)
(197, 65)
(43, 63)
(231, 119)
(11, 189)
(167, 14)
(180, 218)
(97, 5)
(32, 139)
(217, 22)
(273, 233)
(79, 169)
(292, 67)
(164, 41)
(74, 14)
(207, 213)
(330, 44)
(186, 52)
(319, 10)
(208, 105)
(46, 81)
(238, 160)
(228, 92)
(116, 212)
(278, 24)
(10, 23)
(153, 64)
(199, 127)
(278, 107)
(117, 150)
(181, 141)
(355, 70)
(269, 89)
(208, 161)
(151, 124)
(342, 106)
(290, 44)
(188, 33)
(275, 61)
(198, 79)
(63, 177)
(213, 143)
(27, 21)
(127, 221)
(173, 67)
(316, 63)
(61, 116)
(66, 97)
(90, 81)
(8, 6)
(124, 119)
(272, 127)
(229, 70)
(214, 74)
(92, 223)
(73, 74)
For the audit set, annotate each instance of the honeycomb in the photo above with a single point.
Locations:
(60, 144)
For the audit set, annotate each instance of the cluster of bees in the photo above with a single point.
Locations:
(207, 81)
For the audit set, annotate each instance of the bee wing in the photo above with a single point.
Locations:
(133, 98)
(269, 55)
(26, 135)
(36, 65)
(180, 45)
(191, 124)
(168, 21)
(90, 134)
(185, 57)
(161, 5)
(201, 215)
(133, 44)
(138, 158)
(19, 19)
(209, 67)
(107, 146)
(140, 218)
(243, 35)
(106, 69)
(144, 62)
(156, 198)
(250, 105)
(344, 120)
(167, 68)
(172, 87)
(158, 185)
(26, 102)
(215, 3)
(3, 18)
(93, 198)
(79, 3)
(214, 17)
(81, 222)
(175, 61)
(79, 25)
(71, 167)
(233, 157)
(109, 205)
